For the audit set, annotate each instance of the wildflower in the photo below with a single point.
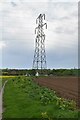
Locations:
(44, 115)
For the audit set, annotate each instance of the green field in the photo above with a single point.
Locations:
(25, 99)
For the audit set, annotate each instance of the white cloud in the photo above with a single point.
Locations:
(2, 44)
(62, 33)
(19, 24)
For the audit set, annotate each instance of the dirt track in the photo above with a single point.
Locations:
(1, 93)
(66, 87)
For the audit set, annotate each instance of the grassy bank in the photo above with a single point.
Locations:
(25, 99)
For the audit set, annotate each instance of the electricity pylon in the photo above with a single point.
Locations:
(39, 61)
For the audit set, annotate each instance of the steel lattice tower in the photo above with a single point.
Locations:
(39, 61)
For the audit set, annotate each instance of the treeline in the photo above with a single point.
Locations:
(46, 72)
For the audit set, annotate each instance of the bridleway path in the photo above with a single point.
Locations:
(1, 101)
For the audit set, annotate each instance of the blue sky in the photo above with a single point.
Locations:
(17, 38)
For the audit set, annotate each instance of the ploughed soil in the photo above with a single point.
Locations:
(66, 87)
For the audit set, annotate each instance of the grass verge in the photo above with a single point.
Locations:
(25, 99)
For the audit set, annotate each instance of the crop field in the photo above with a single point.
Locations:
(66, 87)
(24, 98)
(1, 77)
